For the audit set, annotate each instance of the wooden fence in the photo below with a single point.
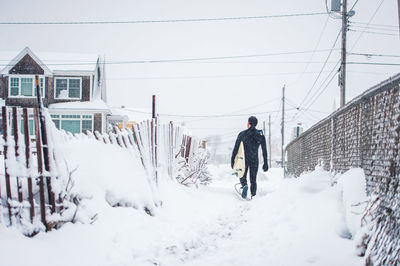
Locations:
(26, 192)
(29, 170)
(29, 197)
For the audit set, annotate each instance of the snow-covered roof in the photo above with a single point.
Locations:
(50, 62)
(95, 105)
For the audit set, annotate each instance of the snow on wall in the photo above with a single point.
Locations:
(364, 133)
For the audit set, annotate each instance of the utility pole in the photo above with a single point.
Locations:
(343, 59)
(264, 127)
(283, 127)
(153, 107)
(398, 10)
(269, 140)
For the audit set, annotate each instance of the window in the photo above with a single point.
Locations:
(30, 124)
(24, 86)
(66, 88)
(73, 123)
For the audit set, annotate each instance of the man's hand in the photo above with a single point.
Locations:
(265, 167)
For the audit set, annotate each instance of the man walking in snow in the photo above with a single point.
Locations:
(252, 139)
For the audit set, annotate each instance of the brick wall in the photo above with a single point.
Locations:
(364, 133)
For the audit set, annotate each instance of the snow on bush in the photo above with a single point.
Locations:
(353, 195)
(350, 191)
(315, 181)
(195, 170)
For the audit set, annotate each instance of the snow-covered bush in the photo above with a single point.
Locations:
(194, 171)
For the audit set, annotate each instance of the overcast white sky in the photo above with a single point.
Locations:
(212, 87)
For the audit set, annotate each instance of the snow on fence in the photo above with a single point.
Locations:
(34, 187)
(364, 133)
(30, 194)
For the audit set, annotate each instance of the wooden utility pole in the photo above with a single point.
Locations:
(283, 128)
(269, 140)
(264, 127)
(343, 59)
(154, 107)
(398, 10)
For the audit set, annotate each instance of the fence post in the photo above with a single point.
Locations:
(8, 186)
(16, 148)
(40, 168)
(45, 146)
(138, 139)
(27, 158)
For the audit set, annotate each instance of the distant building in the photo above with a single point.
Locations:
(73, 88)
(297, 130)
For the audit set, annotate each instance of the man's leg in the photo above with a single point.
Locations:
(243, 180)
(253, 179)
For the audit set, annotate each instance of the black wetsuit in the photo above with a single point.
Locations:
(252, 139)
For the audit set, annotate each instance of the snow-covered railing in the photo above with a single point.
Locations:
(365, 133)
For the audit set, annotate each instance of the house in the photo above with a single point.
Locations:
(73, 87)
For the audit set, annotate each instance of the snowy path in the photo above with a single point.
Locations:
(290, 222)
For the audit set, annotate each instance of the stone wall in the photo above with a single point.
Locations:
(364, 133)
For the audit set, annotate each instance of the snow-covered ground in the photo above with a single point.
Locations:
(291, 222)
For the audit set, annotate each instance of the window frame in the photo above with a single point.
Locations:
(21, 76)
(68, 98)
(58, 116)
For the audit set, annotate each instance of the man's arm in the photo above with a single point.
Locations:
(235, 150)
(264, 152)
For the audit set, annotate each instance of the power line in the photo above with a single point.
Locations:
(158, 21)
(374, 25)
(255, 106)
(209, 77)
(315, 48)
(322, 91)
(319, 74)
(372, 17)
(374, 32)
(372, 63)
(316, 92)
(186, 59)
(374, 28)
(203, 116)
(355, 3)
(371, 55)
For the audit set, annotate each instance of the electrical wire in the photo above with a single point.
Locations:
(373, 28)
(202, 116)
(209, 77)
(372, 63)
(372, 17)
(371, 55)
(317, 91)
(374, 32)
(158, 21)
(185, 59)
(374, 25)
(315, 48)
(319, 74)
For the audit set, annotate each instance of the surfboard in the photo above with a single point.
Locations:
(239, 164)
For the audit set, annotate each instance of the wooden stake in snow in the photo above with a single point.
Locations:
(40, 167)
(16, 148)
(27, 158)
(8, 186)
